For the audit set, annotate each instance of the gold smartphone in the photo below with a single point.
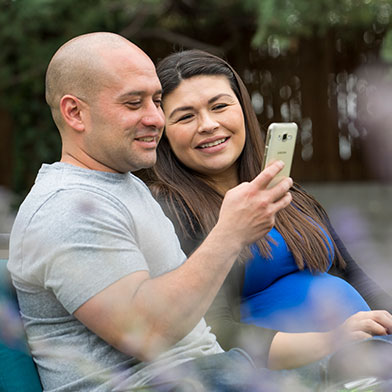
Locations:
(280, 145)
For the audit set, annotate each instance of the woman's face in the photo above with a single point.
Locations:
(205, 125)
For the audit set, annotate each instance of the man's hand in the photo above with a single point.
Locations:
(248, 210)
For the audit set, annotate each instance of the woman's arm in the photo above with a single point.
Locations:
(224, 317)
(373, 294)
(291, 350)
(279, 350)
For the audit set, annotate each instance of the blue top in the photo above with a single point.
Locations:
(277, 295)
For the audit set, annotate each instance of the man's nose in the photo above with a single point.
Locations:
(154, 117)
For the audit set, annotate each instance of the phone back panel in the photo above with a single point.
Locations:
(280, 145)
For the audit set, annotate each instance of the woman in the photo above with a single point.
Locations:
(212, 143)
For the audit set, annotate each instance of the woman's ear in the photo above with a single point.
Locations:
(71, 107)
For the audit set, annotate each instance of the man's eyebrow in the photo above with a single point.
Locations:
(210, 101)
(138, 93)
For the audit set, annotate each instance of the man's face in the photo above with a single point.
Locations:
(124, 120)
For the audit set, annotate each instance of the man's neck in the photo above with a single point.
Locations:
(86, 163)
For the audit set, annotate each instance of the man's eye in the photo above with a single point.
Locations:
(133, 104)
(158, 102)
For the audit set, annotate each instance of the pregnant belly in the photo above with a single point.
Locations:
(302, 302)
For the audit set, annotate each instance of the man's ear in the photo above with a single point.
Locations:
(70, 108)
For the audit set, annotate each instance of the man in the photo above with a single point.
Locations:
(107, 298)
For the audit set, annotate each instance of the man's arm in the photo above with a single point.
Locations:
(141, 316)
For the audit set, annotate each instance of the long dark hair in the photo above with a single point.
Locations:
(196, 204)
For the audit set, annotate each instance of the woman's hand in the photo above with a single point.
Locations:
(291, 350)
(362, 325)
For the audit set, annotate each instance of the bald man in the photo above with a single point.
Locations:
(108, 299)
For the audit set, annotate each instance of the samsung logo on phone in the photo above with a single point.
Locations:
(282, 152)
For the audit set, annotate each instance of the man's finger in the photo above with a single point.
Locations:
(266, 176)
(281, 188)
(283, 202)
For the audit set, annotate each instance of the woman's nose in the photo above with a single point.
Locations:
(207, 123)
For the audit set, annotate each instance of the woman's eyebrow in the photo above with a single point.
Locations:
(213, 99)
(210, 101)
(180, 109)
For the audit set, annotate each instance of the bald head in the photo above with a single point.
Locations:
(79, 66)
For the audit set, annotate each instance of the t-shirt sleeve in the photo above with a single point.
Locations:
(78, 243)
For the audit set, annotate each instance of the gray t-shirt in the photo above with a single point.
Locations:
(77, 232)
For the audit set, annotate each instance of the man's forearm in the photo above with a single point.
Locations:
(143, 316)
(180, 298)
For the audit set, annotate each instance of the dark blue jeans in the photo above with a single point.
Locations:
(234, 371)
(231, 371)
(369, 360)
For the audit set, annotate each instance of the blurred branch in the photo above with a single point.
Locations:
(179, 39)
(139, 18)
(24, 76)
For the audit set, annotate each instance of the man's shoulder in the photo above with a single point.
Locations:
(63, 192)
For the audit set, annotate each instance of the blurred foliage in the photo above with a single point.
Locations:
(386, 48)
(286, 18)
(31, 31)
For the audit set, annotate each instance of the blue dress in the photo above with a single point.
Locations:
(277, 295)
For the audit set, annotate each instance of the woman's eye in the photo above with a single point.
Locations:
(220, 106)
(185, 117)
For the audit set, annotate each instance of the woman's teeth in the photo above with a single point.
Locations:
(212, 144)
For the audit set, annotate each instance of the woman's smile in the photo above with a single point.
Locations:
(209, 145)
